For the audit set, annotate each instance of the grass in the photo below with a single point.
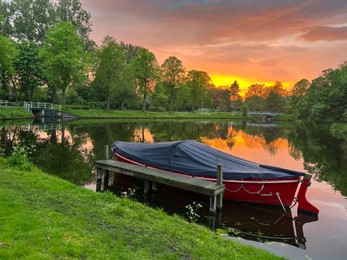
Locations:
(14, 113)
(44, 217)
(138, 114)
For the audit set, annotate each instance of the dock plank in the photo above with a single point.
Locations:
(184, 182)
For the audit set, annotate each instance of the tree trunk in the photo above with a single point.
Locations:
(63, 95)
(54, 95)
(144, 99)
(108, 101)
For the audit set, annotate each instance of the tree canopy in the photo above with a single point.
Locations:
(63, 57)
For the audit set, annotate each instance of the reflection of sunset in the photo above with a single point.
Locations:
(255, 148)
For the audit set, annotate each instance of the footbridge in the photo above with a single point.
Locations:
(266, 116)
(43, 109)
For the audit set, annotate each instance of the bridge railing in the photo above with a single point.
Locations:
(41, 105)
(4, 103)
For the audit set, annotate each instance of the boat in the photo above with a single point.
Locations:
(244, 181)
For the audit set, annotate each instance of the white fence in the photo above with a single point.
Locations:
(41, 105)
(4, 103)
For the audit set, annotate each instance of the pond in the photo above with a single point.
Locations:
(68, 150)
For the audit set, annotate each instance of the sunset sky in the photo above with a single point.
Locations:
(251, 41)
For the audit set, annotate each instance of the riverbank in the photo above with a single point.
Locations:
(43, 216)
(9, 113)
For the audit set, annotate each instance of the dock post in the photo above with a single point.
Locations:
(213, 200)
(98, 179)
(146, 186)
(219, 183)
(107, 173)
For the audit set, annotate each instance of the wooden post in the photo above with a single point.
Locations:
(154, 186)
(107, 173)
(213, 200)
(98, 179)
(146, 187)
(219, 183)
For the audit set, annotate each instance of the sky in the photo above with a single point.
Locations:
(251, 41)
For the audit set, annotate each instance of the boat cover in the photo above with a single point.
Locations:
(194, 158)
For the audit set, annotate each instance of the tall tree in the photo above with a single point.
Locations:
(29, 70)
(8, 54)
(198, 82)
(111, 72)
(173, 76)
(325, 100)
(275, 102)
(234, 93)
(299, 91)
(71, 11)
(63, 57)
(146, 70)
(221, 98)
(255, 90)
(30, 19)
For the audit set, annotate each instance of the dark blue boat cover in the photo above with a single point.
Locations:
(194, 158)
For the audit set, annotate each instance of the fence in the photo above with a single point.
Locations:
(40, 105)
(4, 103)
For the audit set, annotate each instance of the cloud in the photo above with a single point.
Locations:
(325, 33)
(265, 40)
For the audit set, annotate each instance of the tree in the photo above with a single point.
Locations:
(8, 54)
(71, 11)
(30, 19)
(325, 100)
(255, 103)
(63, 57)
(221, 98)
(173, 76)
(145, 69)
(275, 102)
(299, 90)
(255, 90)
(112, 73)
(198, 83)
(234, 93)
(277, 88)
(29, 70)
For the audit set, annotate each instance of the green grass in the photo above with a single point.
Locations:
(43, 217)
(14, 113)
(117, 114)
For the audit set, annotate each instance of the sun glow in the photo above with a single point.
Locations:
(227, 80)
(223, 80)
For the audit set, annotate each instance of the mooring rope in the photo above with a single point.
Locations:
(250, 192)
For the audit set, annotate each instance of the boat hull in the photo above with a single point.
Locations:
(285, 193)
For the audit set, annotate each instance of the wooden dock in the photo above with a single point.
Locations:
(151, 177)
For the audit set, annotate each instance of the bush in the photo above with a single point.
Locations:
(20, 161)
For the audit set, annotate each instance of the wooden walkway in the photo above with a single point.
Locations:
(151, 176)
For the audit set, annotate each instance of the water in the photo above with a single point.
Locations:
(68, 151)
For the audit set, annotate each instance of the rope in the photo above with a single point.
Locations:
(250, 192)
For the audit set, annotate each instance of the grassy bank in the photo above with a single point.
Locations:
(138, 114)
(43, 217)
(14, 113)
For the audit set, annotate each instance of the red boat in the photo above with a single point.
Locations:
(244, 180)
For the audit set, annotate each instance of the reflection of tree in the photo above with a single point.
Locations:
(324, 154)
(13, 136)
(64, 159)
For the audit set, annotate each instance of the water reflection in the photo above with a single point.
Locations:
(68, 151)
(260, 223)
(63, 149)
